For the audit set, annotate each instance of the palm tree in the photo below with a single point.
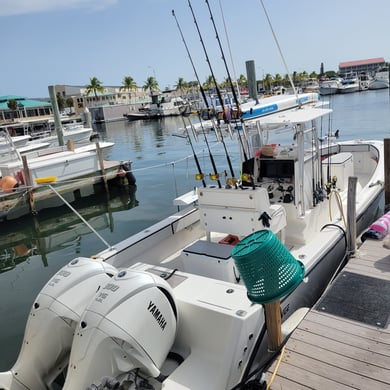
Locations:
(95, 86)
(128, 84)
(242, 81)
(69, 103)
(268, 80)
(13, 106)
(151, 84)
(181, 85)
(209, 83)
(60, 102)
(278, 79)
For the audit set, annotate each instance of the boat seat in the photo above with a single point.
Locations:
(210, 259)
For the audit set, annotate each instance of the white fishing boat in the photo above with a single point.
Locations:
(181, 304)
(30, 181)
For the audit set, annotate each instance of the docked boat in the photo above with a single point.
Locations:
(181, 304)
(350, 84)
(30, 141)
(311, 85)
(161, 107)
(380, 80)
(272, 104)
(365, 80)
(330, 86)
(33, 180)
(76, 132)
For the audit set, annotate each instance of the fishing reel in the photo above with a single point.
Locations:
(331, 184)
(319, 195)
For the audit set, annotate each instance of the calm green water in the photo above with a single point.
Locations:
(31, 251)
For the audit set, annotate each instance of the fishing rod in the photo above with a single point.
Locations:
(201, 174)
(192, 63)
(231, 84)
(207, 105)
(280, 50)
(217, 89)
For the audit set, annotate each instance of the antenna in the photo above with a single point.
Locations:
(280, 50)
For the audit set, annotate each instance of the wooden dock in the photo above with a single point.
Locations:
(346, 350)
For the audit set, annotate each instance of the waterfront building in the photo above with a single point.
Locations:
(369, 66)
(26, 108)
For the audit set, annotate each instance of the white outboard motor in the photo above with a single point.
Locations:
(130, 324)
(51, 324)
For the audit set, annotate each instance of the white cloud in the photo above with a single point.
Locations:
(19, 7)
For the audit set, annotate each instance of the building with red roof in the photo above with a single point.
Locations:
(369, 66)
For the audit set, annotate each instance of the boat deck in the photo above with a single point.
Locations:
(344, 341)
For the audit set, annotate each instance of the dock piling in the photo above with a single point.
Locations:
(351, 215)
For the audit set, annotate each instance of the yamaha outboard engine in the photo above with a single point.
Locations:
(51, 324)
(130, 324)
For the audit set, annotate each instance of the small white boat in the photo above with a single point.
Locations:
(76, 132)
(311, 85)
(350, 84)
(167, 106)
(34, 172)
(181, 304)
(380, 80)
(330, 87)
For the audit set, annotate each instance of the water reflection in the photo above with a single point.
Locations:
(56, 228)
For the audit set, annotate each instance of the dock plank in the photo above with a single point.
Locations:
(319, 372)
(327, 351)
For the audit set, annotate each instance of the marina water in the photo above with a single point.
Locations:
(33, 249)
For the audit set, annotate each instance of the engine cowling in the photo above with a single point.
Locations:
(52, 321)
(131, 323)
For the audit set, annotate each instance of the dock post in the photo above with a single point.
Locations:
(101, 163)
(29, 184)
(273, 319)
(56, 113)
(351, 215)
(387, 169)
(70, 145)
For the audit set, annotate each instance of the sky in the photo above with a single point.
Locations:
(55, 42)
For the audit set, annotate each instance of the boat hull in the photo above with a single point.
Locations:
(379, 84)
(349, 88)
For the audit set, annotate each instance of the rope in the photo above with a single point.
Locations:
(81, 217)
(276, 369)
(339, 204)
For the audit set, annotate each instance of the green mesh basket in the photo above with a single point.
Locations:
(268, 269)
